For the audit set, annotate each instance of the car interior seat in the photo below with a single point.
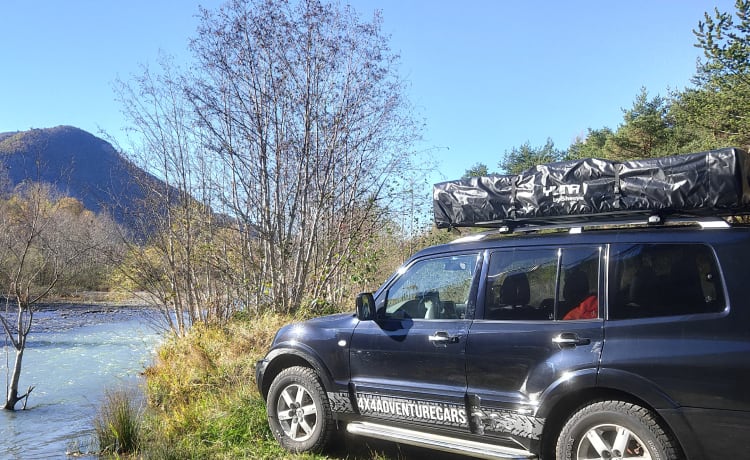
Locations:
(575, 290)
(515, 290)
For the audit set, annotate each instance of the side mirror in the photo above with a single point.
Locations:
(365, 307)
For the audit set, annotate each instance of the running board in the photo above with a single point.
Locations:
(438, 442)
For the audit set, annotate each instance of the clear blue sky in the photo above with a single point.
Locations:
(485, 76)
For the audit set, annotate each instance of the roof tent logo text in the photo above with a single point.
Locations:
(564, 192)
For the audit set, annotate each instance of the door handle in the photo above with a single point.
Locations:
(570, 340)
(442, 338)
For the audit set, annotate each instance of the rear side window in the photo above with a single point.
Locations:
(649, 280)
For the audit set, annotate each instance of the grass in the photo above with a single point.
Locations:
(203, 402)
(202, 395)
(117, 426)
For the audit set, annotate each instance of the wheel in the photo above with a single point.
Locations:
(299, 413)
(615, 430)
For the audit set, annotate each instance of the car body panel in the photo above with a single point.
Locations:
(393, 361)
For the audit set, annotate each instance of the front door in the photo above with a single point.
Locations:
(409, 365)
(538, 327)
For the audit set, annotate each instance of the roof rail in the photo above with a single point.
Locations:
(653, 220)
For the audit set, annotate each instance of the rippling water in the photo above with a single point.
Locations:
(72, 355)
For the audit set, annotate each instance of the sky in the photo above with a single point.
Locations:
(484, 76)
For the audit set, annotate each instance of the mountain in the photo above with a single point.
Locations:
(79, 165)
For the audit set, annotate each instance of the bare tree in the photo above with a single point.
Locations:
(37, 244)
(182, 264)
(302, 103)
(278, 153)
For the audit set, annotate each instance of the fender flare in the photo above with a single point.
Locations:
(298, 351)
(634, 384)
(565, 385)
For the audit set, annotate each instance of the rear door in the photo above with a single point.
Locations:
(409, 365)
(520, 348)
(675, 340)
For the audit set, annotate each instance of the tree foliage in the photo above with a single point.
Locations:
(524, 157)
(725, 43)
(598, 143)
(645, 131)
(718, 106)
(478, 170)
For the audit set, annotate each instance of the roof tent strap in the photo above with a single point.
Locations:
(616, 167)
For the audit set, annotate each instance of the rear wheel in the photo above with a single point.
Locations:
(299, 413)
(615, 430)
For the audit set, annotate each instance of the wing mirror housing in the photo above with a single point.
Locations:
(365, 307)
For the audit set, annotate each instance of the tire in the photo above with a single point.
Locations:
(615, 430)
(299, 413)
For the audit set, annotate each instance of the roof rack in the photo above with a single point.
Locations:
(577, 226)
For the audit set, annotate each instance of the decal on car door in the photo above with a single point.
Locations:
(445, 414)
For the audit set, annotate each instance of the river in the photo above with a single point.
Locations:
(72, 355)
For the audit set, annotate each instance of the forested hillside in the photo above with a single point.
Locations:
(77, 164)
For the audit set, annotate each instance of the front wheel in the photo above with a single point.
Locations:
(299, 413)
(615, 430)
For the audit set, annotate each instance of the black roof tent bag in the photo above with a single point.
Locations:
(706, 183)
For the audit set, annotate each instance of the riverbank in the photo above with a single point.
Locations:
(115, 299)
(203, 402)
(202, 398)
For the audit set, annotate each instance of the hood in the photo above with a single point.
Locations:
(322, 328)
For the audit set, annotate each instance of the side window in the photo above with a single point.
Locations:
(578, 297)
(663, 280)
(436, 288)
(521, 285)
(543, 284)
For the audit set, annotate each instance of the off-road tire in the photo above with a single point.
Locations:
(299, 413)
(600, 429)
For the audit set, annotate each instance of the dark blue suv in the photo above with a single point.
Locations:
(615, 342)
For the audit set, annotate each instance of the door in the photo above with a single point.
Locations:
(409, 365)
(672, 325)
(520, 346)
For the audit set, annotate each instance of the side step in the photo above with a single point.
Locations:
(438, 442)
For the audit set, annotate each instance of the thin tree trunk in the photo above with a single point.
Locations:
(12, 397)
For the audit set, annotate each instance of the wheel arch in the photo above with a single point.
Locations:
(557, 413)
(283, 358)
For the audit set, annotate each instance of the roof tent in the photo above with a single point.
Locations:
(710, 183)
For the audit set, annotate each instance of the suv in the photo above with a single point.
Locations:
(610, 342)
